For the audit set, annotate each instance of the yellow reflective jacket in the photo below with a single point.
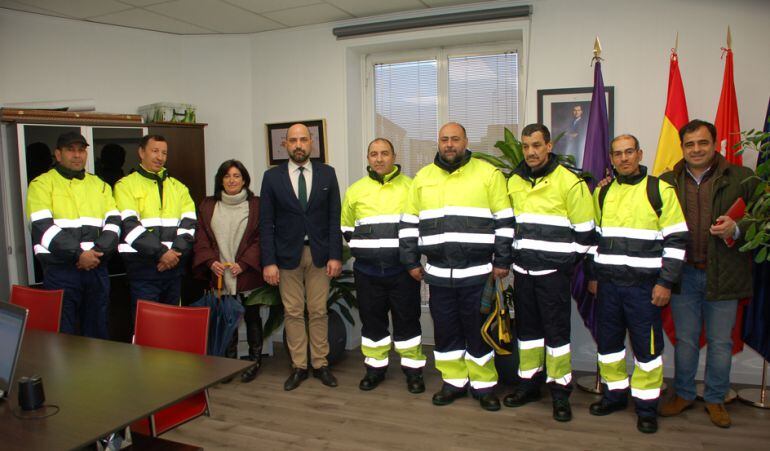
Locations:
(636, 244)
(554, 218)
(371, 212)
(71, 212)
(460, 218)
(158, 214)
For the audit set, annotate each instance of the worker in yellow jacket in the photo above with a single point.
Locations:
(371, 213)
(554, 228)
(459, 217)
(158, 226)
(75, 228)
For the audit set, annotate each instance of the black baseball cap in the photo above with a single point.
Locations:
(70, 138)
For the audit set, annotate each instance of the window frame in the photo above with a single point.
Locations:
(442, 56)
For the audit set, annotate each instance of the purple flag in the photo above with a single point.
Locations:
(596, 156)
(596, 160)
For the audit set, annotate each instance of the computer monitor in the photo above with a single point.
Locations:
(12, 321)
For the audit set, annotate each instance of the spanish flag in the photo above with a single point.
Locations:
(669, 145)
(727, 123)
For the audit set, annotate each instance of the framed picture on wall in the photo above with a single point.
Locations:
(276, 140)
(566, 111)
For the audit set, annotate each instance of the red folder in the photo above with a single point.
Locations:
(735, 212)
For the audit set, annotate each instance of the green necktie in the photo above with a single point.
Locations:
(302, 189)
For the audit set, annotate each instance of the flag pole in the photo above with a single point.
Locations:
(589, 383)
(757, 397)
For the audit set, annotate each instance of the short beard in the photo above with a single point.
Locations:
(293, 157)
(454, 159)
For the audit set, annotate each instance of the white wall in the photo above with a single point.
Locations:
(242, 82)
(45, 58)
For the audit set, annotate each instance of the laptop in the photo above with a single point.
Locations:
(12, 321)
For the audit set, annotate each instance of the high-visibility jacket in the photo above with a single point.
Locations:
(460, 218)
(635, 245)
(554, 218)
(158, 214)
(71, 212)
(371, 213)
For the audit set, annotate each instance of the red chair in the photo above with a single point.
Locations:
(44, 306)
(179, 329)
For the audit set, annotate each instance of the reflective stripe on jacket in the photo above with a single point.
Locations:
(151, 227)
(371, 213)
(554, 218)
(460, 219)
(634, 244)
(69, 214)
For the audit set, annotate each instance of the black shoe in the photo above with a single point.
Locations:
(489, 401)
(251, 373)
(446, 396)
(647, 425)
(415, 383)
(562, 410)
(296, 378)
(371, 381)
(520, 397)
(605, 407)
(326, 376)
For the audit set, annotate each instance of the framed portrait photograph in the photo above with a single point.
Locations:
(566, 111)
(276, 140)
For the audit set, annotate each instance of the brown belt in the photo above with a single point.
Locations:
(701, 266)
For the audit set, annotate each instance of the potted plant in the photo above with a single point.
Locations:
(342, 298)
(758, 210)
(513, 155)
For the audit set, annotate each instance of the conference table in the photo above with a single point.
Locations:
(100, 387)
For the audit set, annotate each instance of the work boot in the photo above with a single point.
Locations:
(415, 383)
(562, 410)
(606, 407)
(521, 396)
(371, 381)
(647, 425)
(675, 406)
(488, 401)
(718, 414)
(254, 338)
(447, 395)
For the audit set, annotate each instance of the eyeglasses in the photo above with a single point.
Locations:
(619, 153)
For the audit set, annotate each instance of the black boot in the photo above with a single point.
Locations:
(232, 352)
(254, 338)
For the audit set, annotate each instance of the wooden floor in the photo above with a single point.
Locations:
(261, 415)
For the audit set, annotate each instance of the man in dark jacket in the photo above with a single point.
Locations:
(716, 275)
(299, 228)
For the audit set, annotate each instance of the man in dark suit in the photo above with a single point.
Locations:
(299, 226)
(576, 134)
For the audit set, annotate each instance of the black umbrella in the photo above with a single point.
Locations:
(225, 313)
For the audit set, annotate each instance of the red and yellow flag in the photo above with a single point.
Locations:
(669, 145)
(727, 124)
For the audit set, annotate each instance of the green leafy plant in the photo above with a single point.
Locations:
(342, 293)
(758, 210)
(513, 155)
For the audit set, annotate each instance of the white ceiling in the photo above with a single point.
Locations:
(219, 16)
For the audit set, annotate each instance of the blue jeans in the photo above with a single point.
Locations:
(690, 310)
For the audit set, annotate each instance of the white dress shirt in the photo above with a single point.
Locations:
(294, 177)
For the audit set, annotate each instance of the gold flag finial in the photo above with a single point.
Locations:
(597, 48)
(729, 39)
(676, 43)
